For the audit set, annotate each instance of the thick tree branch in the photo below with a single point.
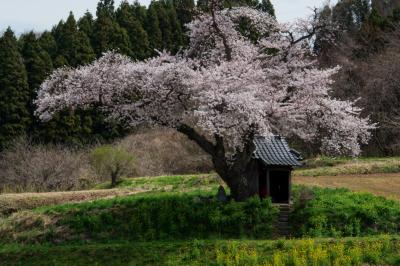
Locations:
(202, 141)
(309, 32)
(217, 151)
(219, 159)
(243, 157)
(228, 49)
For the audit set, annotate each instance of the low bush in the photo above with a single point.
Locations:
(340, 212)
(152, 217)
(112, 163)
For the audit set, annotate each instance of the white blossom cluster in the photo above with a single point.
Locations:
(224, 84)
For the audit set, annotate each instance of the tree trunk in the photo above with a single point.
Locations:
(243, 184)
(114, 176)
(113, 180)
(240, 172)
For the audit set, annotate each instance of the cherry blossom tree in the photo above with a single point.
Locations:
(243, 75)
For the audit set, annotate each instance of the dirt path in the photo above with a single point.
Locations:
(387, 185)
(10, 203)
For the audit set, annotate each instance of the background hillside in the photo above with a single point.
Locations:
(366, 46)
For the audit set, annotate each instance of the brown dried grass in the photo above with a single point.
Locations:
(25, 167)
(10, 203)
(385, 184)
(163, 151)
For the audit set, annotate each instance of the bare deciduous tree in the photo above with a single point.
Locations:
(28, 167)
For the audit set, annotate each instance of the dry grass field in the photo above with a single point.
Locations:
(385, 184)
(10, 203)
(14, 202)
(380, 176)
(326, 166)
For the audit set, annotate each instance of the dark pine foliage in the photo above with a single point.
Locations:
(14, 91)
(134, 30)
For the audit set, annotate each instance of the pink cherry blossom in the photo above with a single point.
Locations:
(222, 90)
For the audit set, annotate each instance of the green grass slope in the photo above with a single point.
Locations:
(171, 216)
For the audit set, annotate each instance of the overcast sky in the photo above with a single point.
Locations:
(39, 15)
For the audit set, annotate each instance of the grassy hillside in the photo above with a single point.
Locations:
(175, 220)
(148, 217)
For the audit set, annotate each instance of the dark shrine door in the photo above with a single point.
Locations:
(262, 184)
(279, 186)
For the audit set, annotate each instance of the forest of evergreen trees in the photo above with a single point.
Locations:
(26, 61)
(365, 42)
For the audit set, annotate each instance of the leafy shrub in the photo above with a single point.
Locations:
(167, 217)
(340, 212)
(111, 162)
